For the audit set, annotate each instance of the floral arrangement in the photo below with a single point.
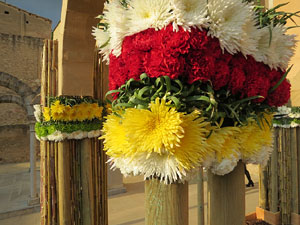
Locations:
(194, 83)
(68, 118)
(287, 117)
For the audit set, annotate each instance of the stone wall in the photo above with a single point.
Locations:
(19, 22)
(21, 43)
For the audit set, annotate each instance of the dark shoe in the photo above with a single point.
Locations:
(250, 184)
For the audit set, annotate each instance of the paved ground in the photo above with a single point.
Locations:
(124, 209)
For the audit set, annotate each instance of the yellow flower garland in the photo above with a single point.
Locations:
(80, 112)
(164, 131)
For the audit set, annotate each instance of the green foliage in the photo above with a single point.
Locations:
(45, 129)
(216, 106)
(74, 100)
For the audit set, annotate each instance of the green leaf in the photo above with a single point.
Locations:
(198, 98)
(281, 80)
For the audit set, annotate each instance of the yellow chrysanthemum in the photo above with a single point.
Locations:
(81, 112)
(223, 141)
(66, 116)
(73, 113)
(89, 111)
(108, 108)
(252, 137)
(46, 113)
(96, 110)
(115, 141)
(193, 148)
(56, 107)
(154, 130)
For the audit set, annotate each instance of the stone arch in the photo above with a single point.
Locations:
(22, 89)
(13, 99)
(13, 83)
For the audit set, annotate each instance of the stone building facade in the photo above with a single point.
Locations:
(21, 45)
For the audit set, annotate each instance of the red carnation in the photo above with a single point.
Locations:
(199, 39)
(281, 94)
(146, 40)
(133, 59)
(157, 64)
(200, 66)
(174, 43)
(117, 72)
(257, 85)
(222, 74)
(237, 80)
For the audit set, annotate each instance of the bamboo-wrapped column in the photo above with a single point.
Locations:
(226, 197)
(166, 204)
(73, 172)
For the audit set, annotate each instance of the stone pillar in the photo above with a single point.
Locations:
(34, 198)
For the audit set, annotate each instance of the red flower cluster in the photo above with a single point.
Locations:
(194, 56)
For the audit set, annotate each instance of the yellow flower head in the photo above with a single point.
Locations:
(98, 112)
(223, 141)
(108, 108)
(56, 107)
(46, 113)
(252, 137)
(114, 135)
(67, 114)
(193, 148)
(72, 114)
(154, 130)
(81, 110)
(89, 111)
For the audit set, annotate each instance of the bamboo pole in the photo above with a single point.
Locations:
(226, 198)
(43, 144)
(298, 163)
(200, 193)
(274, 174)
(263, 188)
(64, 201)
(294, 165)
(87, 183)
(166, 204)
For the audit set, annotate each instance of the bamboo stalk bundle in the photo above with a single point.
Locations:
(73, 173)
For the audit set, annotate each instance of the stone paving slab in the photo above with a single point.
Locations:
(124, 209)
(15, 190)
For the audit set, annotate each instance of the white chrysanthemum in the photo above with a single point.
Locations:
(262, 157)
(116, 16)
(189, 13)
(278, 53)
(148, 14)
(94, 133)
(283, 110)
(250, 37)
(162, 166)
(37, 112)
(57, 136)
(102, 41)
(225, 166)
(228, 20)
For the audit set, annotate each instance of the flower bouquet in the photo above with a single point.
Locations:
(68, 118)
(194, 83)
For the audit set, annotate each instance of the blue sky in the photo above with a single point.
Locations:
(45, 8)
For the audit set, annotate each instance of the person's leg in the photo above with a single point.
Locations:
(250, 182)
